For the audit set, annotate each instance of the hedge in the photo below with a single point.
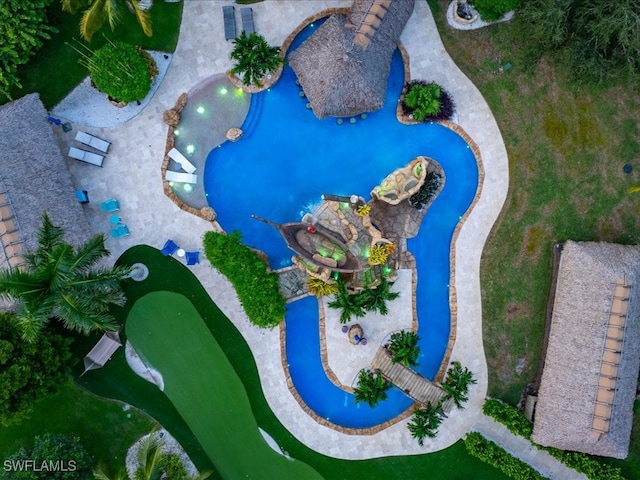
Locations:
(256, 286)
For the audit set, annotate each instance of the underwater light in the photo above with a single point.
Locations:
(187, 187)
(176, 132)
(200, 109)
(224, 91)
(191, 148)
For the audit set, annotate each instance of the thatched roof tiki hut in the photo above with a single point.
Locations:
(343, 67)
(34, 178)
(590, 376)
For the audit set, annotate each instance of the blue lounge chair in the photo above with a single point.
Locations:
(229, 15)
(110, 205)
(115, 219)
(192, 258)
(246, 14)
(120, 231)
(169, 248)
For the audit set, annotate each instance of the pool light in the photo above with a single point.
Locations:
(176, 132)
(223, 91)
(191, 148)
(187, 188)
(200, 109)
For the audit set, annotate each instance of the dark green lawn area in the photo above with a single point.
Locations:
(567, 145)
(72, 411)
(117, 381)
(54, 71)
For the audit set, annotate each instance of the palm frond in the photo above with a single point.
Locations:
(49, 237)
(95, 17)
(144, 19)
(90, 253)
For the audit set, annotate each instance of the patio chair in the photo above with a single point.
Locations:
(82, 196)
(229, 15)
(192, 258)
(110, 205)
(120, 231)
(246, 14)
(115, 219)
(93, 141)
(170, 247)
(180, 177)
(85, 156)
(181, 160)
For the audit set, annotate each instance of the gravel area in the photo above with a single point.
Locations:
(86, 106)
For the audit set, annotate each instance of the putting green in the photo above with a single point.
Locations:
(166, 329)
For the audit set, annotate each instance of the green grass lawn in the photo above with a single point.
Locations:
(567, 145)
(168, 332)
(54, 70)
(103, 427)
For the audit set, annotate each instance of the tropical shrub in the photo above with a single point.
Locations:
(457, 384)
(372, 388)
(509, 416)
(427, 102)
(29, 370)
(490, 453)
(23, 27)
(254, 57)
(121, 71)
(67, 453)
(350, 305)
(101, 12)
(257, 287)
(404, 348)
(368, 300)
(363, 210)
(375, 299)
(492, 10)
(320, 288)
(427, 190)
(425, 422)
(378, 254)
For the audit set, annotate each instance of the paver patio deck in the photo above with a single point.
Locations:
(131, 174)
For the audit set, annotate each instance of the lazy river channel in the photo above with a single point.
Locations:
(285, 161)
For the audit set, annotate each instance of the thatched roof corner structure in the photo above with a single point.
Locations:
(343, 67)
(592, 279)
(35, 175)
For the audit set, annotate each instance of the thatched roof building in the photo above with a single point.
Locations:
(343, 67)
(589, 381)
(34, 176)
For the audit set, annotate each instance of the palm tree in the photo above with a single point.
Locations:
(372, 387)
(255, 58)
(63, 282)
(375, 299)
(149, 458)
(351, 305)
(457, 384)
(425, 422)
(404, 348)
(103, 11)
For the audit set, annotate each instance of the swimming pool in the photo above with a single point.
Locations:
(286, 160)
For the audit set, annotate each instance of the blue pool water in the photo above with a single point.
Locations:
(286, 159)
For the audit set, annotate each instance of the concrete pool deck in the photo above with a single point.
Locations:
(132, 174)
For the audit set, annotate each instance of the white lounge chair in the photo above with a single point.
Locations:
(87, 157)
(181, 160)
(180, 177)
(93, 141)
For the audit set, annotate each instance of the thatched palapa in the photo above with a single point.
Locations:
(34, 175)
(589, 381)
(343, 67)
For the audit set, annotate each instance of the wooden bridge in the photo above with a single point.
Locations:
(411, 383)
